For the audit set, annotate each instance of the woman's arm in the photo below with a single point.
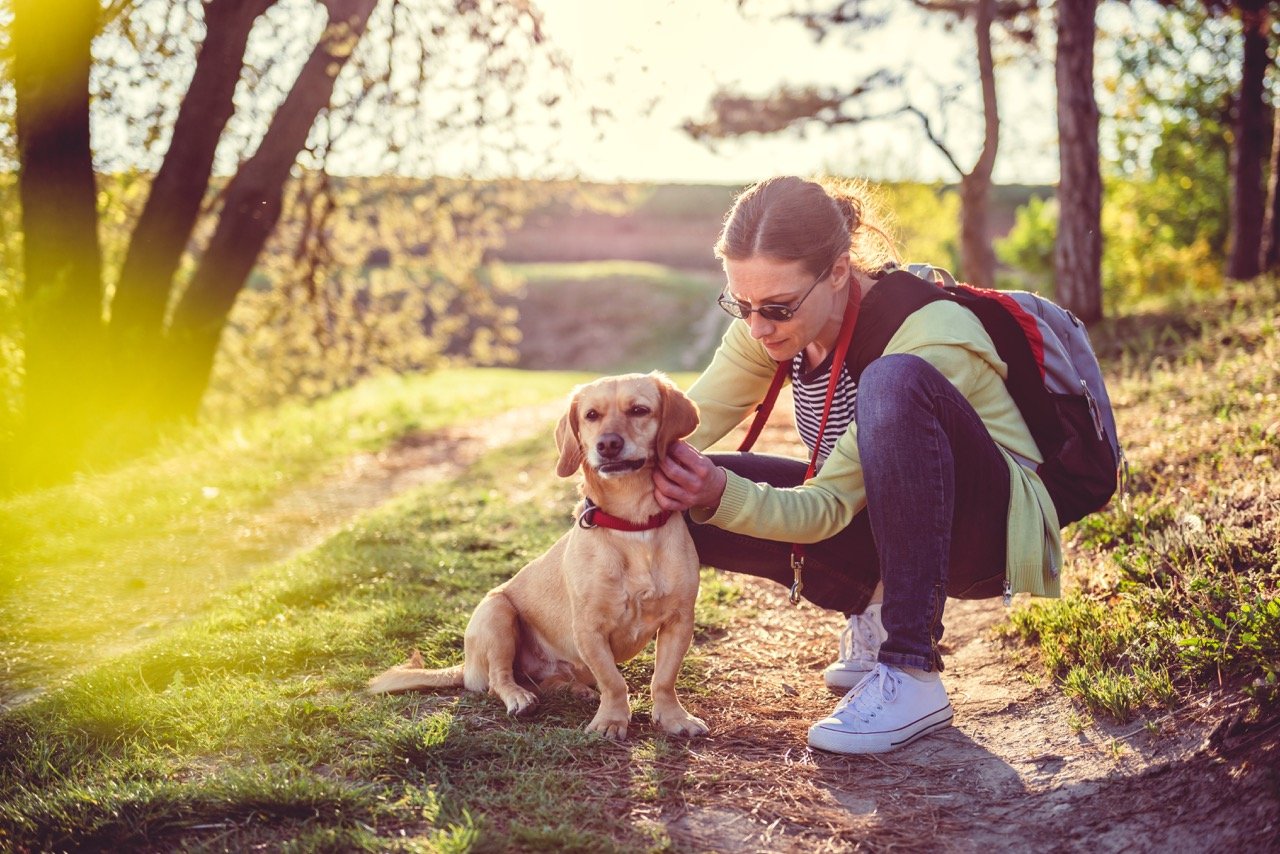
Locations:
(827, 503)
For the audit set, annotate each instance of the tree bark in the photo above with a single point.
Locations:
(1248, 200)
(252, 206)
(977, 257)
(165, 225)
(1077, 256)
(1269, 256)
(62, 259)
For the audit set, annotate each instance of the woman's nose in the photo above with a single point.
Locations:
(759, 326)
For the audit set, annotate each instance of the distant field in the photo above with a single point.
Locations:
(615, 316)
(677, 224)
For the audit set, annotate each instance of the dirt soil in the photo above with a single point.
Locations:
(1021, 768)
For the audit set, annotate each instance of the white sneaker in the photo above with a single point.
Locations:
(859, 645)
(887, 709)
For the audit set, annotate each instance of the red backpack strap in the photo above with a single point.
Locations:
(766, 406)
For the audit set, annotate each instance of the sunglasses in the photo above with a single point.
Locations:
(773, 312)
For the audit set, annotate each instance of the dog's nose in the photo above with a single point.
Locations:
(609, 445)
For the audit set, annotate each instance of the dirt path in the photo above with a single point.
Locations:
(1021, 768)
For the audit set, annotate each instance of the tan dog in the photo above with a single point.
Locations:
(599, 594)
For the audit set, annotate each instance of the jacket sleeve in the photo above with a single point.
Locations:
(731, 386)
(827, 504)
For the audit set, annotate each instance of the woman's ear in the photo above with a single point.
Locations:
(840, 271)
(679, 415)
(567, 442)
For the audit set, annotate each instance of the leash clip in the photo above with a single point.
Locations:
(797, 567)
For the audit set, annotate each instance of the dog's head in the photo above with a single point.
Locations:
(620, 425)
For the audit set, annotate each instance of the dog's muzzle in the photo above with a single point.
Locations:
(620, 466)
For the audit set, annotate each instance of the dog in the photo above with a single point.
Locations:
(625, 573)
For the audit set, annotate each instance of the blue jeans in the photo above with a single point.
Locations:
(934, 525)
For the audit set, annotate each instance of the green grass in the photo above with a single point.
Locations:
(248, 727)
(1178, 592)
(110, 560)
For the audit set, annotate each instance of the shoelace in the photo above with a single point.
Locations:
(870, 694)
(858, 639)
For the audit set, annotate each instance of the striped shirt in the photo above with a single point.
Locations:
(810, 391)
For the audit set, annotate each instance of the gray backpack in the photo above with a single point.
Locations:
(1054, 377)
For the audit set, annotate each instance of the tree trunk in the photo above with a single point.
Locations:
(1077, 256)
(977, 258)
(62, 260)
(1270, 253)
(164, 227)
(253, 201)
(1248, 200)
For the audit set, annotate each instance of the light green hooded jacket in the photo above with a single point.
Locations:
(950, 338)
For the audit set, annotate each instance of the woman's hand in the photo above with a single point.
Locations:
(687, 479)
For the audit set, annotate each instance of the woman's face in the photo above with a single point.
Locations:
(761, 281)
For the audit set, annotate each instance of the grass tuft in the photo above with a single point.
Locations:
(1179, 589)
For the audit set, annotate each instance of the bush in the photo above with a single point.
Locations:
(1028, 247)
(1148, 250)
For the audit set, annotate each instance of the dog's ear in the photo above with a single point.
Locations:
(567, 442)
(679, 414)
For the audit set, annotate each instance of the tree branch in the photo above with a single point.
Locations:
(164, 227)
(933, 138)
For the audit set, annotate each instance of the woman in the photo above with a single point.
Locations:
(920, 494)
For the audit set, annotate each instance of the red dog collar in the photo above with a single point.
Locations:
(593, 517)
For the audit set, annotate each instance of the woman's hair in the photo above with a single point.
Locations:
(791, 219)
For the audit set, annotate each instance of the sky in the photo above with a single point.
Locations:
(626, 52)
(655, 64)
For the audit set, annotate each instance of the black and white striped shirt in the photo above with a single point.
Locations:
(810, 392)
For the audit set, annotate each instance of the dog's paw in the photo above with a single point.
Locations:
(519, 701)
(583, 691)
(681, 723)
(610, 726)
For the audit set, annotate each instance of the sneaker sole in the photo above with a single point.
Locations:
(835, 741)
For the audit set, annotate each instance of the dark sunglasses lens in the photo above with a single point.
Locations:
(732, 306)
(776, 313)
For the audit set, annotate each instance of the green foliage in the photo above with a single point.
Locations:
(1166, 210)
(1028, 247)
(1144, 251)
(1157, 242)
(10, 309)
(925, 221)
(400, 284)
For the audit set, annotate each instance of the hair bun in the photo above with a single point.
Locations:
(850, 209)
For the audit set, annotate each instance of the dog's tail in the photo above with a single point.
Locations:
(412, 676)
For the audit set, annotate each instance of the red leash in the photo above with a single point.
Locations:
(766, 406)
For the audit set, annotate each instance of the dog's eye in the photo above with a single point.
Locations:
(592, 415)
(638, 411)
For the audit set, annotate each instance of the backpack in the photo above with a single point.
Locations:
(1053, 376)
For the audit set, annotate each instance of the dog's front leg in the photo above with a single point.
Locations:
(614, 712)
(674, 638)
